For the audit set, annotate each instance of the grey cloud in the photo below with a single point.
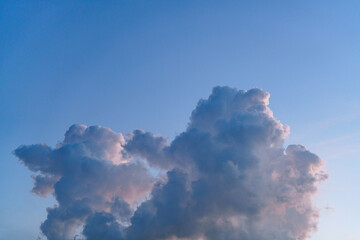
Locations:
(232, 178)
(104, 226)
(228, 177)
(149, 146)
(87, 174)
(44, 184)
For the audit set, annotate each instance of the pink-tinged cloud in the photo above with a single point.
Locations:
(228, 176)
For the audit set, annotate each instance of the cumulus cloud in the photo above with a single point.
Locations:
(228, 176)
(86, 173)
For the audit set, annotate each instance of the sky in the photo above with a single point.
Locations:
(131, 65)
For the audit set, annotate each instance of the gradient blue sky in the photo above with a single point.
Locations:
(145, 64)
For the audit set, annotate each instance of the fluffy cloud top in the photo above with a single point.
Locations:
(228, 176)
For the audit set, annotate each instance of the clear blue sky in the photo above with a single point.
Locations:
(145, 64)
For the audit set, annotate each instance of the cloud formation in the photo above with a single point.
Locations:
(227, 176)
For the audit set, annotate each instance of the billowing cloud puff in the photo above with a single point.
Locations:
(87, 173)
(227, 176)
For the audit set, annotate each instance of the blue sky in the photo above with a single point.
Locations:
(145, 64)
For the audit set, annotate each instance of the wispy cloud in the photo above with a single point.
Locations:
(336, 140)
(324, 125)
(353, 236)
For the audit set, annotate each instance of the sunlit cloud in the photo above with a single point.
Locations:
(227, 176)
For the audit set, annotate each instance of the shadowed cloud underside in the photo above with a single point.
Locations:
(227, 176)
